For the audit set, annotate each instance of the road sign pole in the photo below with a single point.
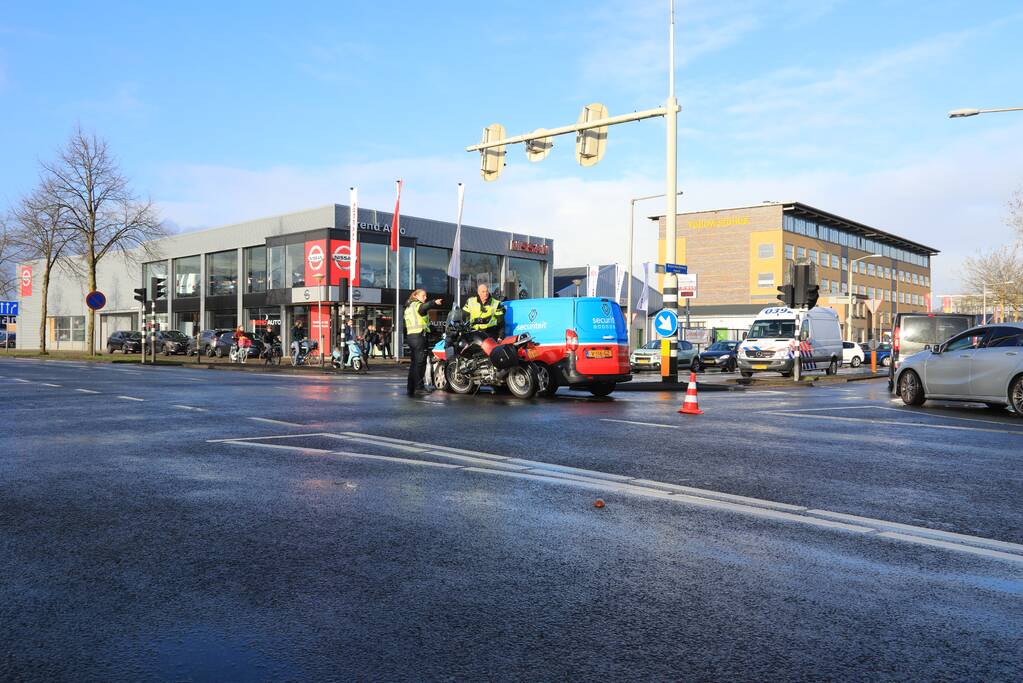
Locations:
(670, 288)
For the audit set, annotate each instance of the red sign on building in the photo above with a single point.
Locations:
(25, 280)
(341, 258)
(315, 262)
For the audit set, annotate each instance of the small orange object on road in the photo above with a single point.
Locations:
(599, 503)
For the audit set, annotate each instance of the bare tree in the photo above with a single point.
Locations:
(1015, 218)
(999, 272)
(39, 232)
(99, 207)
(8, 260)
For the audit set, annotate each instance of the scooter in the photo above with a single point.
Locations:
(355, 359)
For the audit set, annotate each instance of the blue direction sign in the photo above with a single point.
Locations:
(9, 308)
(666, 323)
(676, 269)
(95, 300)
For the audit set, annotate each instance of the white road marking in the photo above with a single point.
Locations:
(47, 384)
(986, 552)
(938, 534)
(23, 381)
(634, 422)
(265, 438)
(131, 398)
(276, 422)
(87, 391)
(894, 423)
(430, 403)
(175, 405)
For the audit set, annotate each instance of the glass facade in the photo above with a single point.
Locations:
(480, 269)
(818, 231)
(187, 322)
(222, 273)
(151, 270)
(258, 319)
(294, 265)
(186, 276)
(255, 269)
(524, 279)
(275, 258)
(432, 268)
(377, 263)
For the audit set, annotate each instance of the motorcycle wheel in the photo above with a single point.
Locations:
(546, 385)
(459, 383)
(440, 377)
(521, 381)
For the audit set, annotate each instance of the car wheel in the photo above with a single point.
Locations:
(745, 374)
(521, 381)
(1016, 396)
(110, 349)
(601, 388)
(911, 391)
(856, 362)
(166, 351)
(218, 352)
(886, 362)
(832, 368)
(696, 365)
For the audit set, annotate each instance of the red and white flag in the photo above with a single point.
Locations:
(395, 224)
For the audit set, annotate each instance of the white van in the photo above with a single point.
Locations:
(773, 341)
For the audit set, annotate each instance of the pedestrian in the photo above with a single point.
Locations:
(370, 342)
(385, 342)
(347, 335)
(417, 325)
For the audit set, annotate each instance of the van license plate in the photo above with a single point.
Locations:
(759, 367)
(598, 353)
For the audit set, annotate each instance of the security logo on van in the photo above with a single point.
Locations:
(532, 315)
(605, 308)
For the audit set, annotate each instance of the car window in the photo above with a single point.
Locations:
(848, 345)
(1002, 337)
(655, 344)
(772, 328)
(685, 346)
(968, 340)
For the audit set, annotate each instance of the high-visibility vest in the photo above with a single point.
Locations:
(415, 322)
(483, 315)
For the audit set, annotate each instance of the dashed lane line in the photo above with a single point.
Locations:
(23, 381)
(87, 391)
(634, 422)
(131, 398)
(182, 407)
(47, 384)
(894, 423)
(276, 422)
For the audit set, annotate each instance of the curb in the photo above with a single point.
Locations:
(674, 386)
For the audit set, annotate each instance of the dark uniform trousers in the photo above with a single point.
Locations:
(417, 346)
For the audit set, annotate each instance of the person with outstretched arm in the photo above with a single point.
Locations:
(417, 325)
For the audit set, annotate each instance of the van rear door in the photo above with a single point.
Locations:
(603, 338)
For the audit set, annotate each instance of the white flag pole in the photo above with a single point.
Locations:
(353, 248)
(455, 263)
(396, 227)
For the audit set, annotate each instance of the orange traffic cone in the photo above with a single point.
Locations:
(690, 406)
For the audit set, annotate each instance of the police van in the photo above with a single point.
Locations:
(780, 334)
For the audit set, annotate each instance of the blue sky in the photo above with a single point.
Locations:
(223, 113)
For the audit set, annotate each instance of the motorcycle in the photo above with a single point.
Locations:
(473, 358)
(355, 360)
(300, 351)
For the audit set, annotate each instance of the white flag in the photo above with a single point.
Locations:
(641, 305)
(619, 281)
(592, 273)
(353, 237)
(455, 264)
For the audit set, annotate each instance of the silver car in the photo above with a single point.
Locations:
(983, 364)
(649, 355)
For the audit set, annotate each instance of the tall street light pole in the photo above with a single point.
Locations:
(848, 307)
(669, 292)
(632, 219)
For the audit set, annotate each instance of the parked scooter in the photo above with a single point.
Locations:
(473, 358)
(300, 351)
(355, 360)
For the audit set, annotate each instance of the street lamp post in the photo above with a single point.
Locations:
(319, 312)
(963, 113)
(983, 306)
(848, 306)
(632, 219)
(577, 282)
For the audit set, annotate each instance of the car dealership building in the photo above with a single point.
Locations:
(282, 270)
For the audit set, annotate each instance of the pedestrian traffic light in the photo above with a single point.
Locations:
(812, 294)
(590, 143)
(159, 287)
(140, 295)
(492, 158)
(787, 295)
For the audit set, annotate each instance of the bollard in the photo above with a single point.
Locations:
(873, 361)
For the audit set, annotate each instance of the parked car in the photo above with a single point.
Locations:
(914, 331)
(171, 342)
(209, 342)
(649, 355)
(8, 339)
(853, 354)
(983, 364)
(884, 354)
(774, 339)
(720, 354)
(125, 341)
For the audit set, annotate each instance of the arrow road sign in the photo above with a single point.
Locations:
(9, 308)
(666, 323)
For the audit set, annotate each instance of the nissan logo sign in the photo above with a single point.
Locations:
(316, 257)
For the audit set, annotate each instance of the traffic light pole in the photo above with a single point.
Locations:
(669, 291)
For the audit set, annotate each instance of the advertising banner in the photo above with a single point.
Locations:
(341, 263)
(319, 319)
(687, 286)
(315, 262)
(592, 274)
(25, 280)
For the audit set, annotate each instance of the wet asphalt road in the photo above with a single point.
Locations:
(236, 526)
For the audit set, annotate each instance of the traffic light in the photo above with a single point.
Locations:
(538, 149)
(812, 294)
(787, 295)
(159, 287)
(492, 158)
(590, 144)
(140, 295)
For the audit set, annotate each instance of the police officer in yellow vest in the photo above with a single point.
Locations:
(417, 324)
(485, 312)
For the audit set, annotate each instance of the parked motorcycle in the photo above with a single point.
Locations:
(355, 360)
(473, 359)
